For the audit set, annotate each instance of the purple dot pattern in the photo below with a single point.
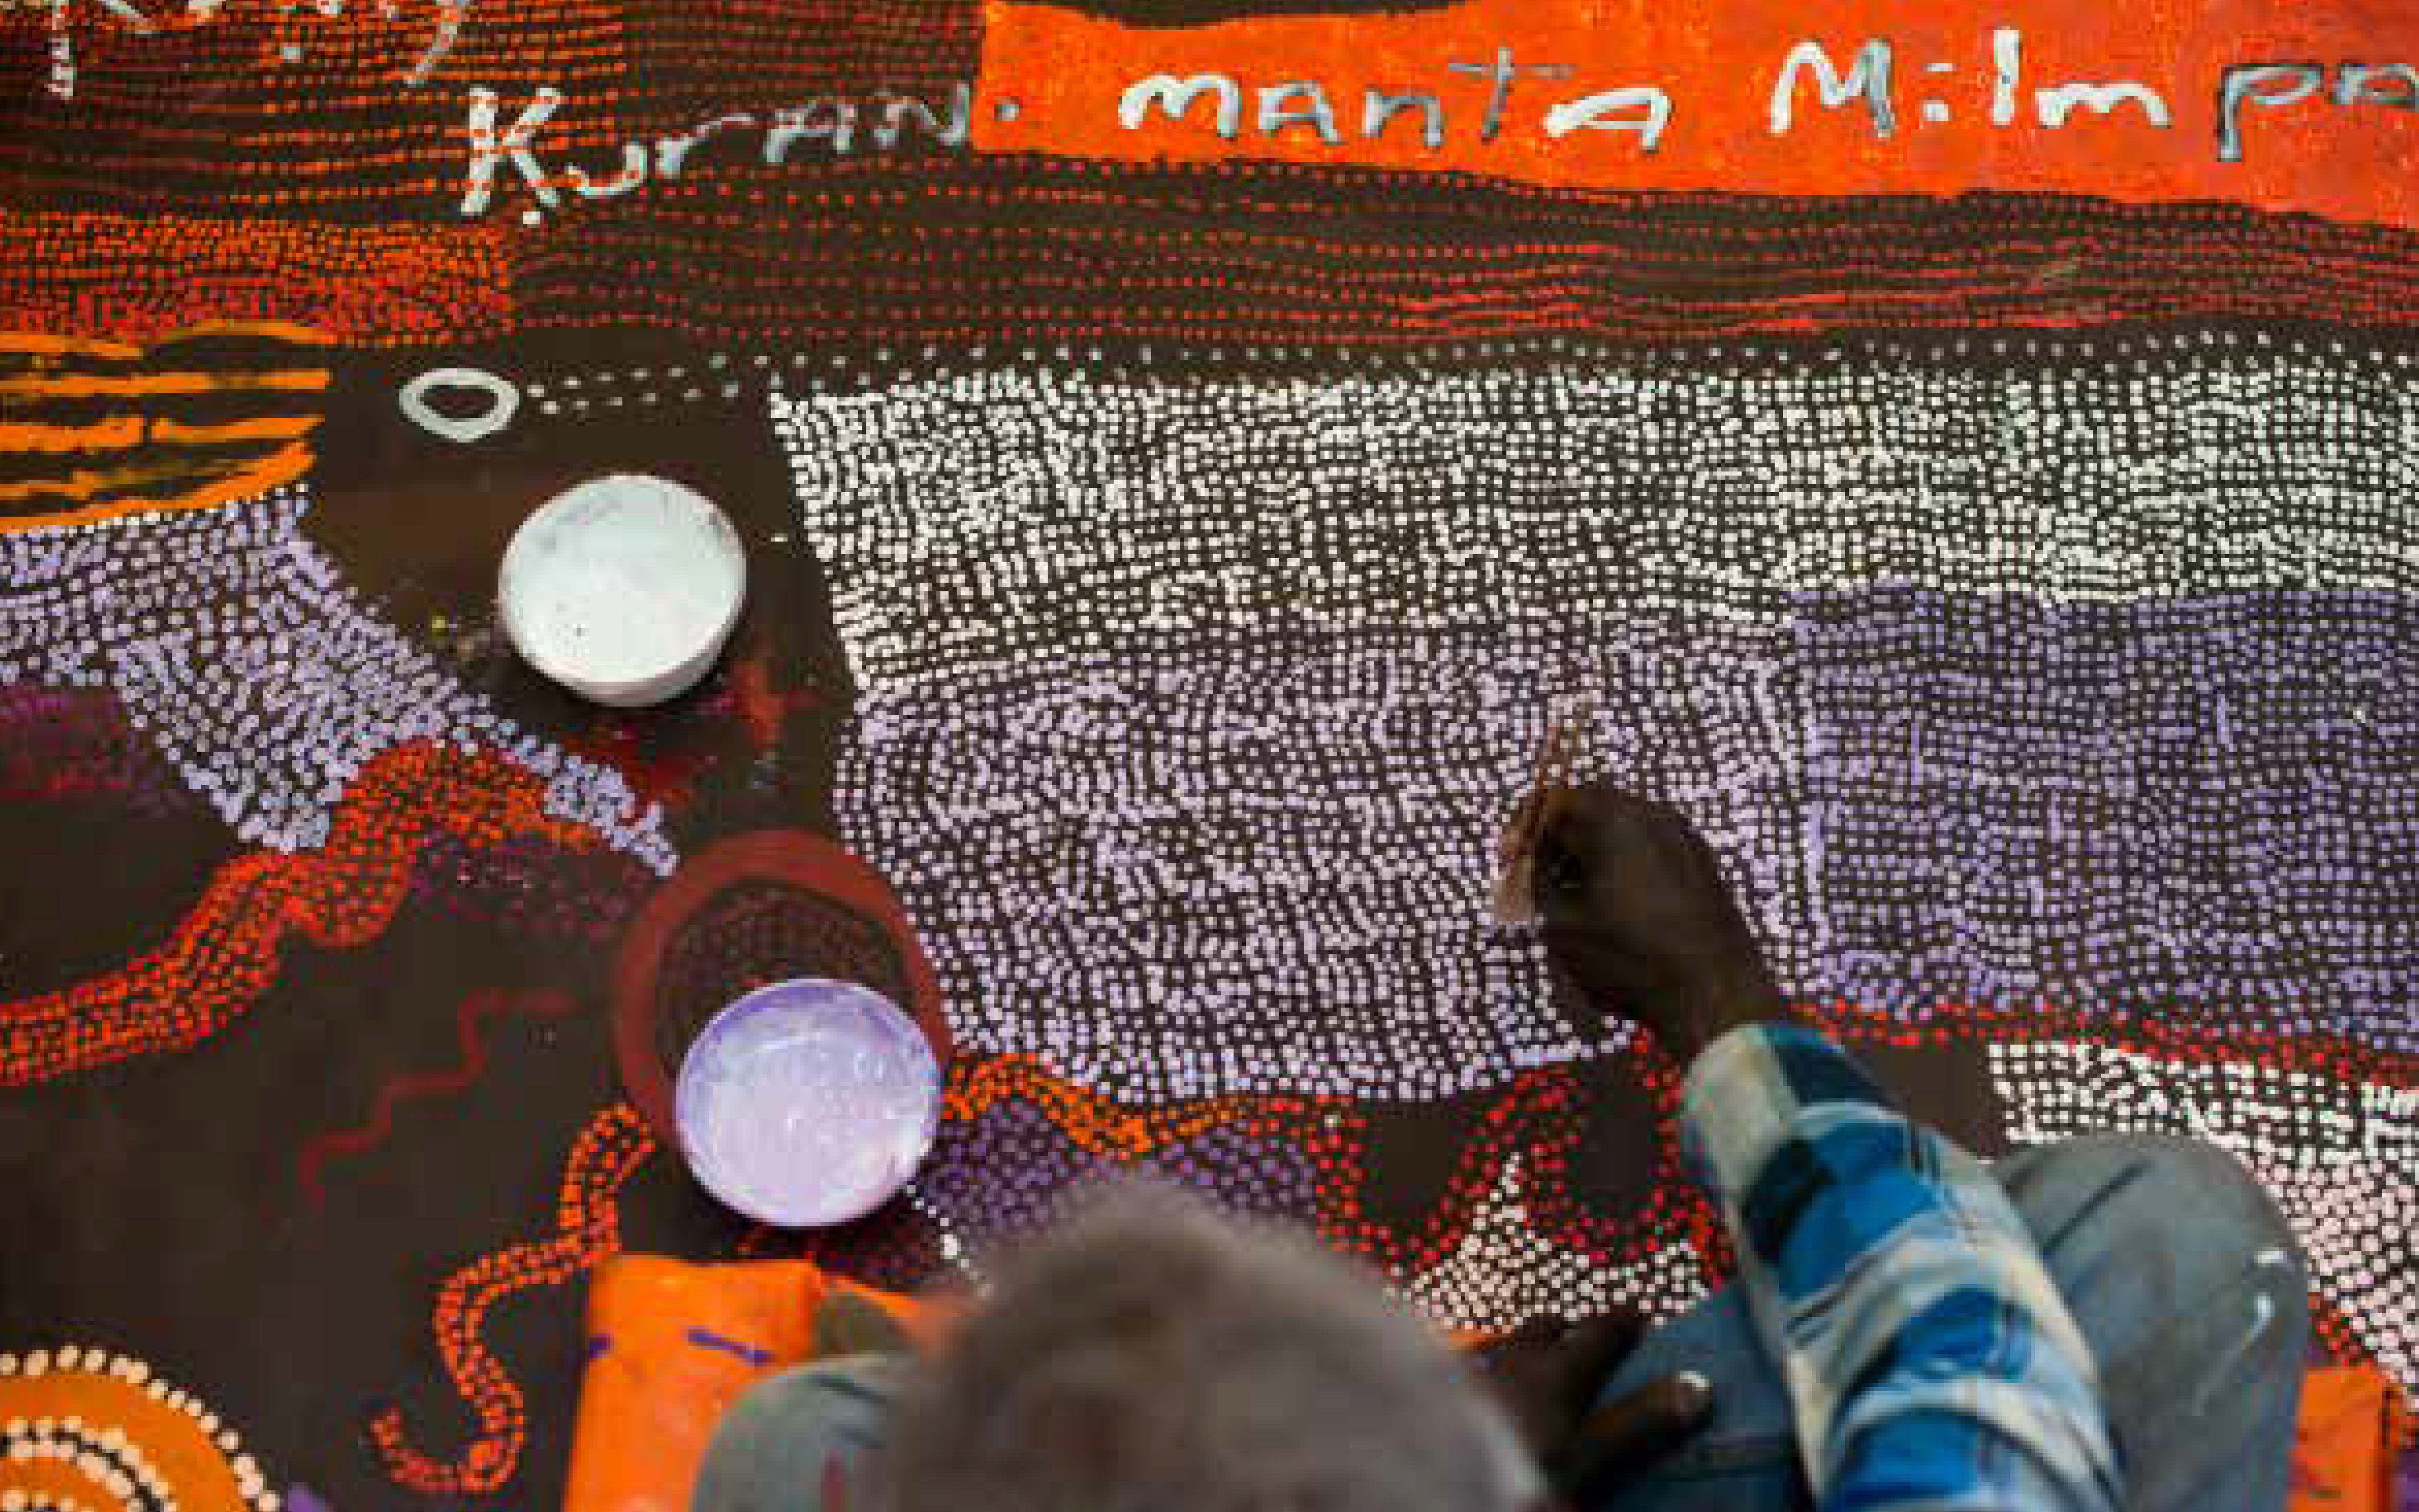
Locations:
(260, 676)
(1190, 708)
(1011, 1171)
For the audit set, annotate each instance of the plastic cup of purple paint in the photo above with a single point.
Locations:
(807, 1102)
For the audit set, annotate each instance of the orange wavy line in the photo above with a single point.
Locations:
(284, 465)
(266, 429)
(225, 952)
(137, 385)
(118, 430)
(37, 344)
(266, 329)
(589, 1229)
(1103, 1126)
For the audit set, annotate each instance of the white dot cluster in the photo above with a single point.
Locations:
(104, 1452)
(1183, 872)
(1190, 708)
(978, 518)
(1503, 1272)
(745, 378)
(261, 676)
(2340, 1158)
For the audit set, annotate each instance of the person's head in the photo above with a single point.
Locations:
(1152, 1357)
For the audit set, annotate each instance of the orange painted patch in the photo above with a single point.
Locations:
(1719, 66)
(2343, 1454)
(127, 1422)
(145, 385)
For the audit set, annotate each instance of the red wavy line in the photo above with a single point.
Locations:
(411, 1085)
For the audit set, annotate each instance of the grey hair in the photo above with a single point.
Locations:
(1153, 1357)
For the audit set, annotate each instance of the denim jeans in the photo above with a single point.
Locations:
(2184, 1279)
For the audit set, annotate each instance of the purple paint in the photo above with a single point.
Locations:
(1013, 1171)
(2187, 807)
(707, 1339)
(807, 1102)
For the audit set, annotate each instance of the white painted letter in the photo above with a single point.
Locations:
(1175, 95)
(2007, 67)
(795, 123)
(2355, 84)
(671, 152)
(633, 174)
(1312, 113)
(894, 113)
(486, 151)
(449, 29)
(1871, 77)
(1378, 108)
(1590, 111)
(2248, 82)
(2056, 105)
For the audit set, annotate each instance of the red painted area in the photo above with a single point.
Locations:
(795, 857)
(137, 276)
(2339, 149)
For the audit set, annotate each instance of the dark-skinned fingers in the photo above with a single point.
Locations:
(1593, 1348)
(1624, 1437)
(1536, 1334)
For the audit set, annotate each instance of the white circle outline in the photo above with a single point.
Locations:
(507, 397)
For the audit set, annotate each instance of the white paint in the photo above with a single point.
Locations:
(1504, 1271)
(624, 588)
(1507, 485)
(504, 401)
(2337, 1156)
(449, 31)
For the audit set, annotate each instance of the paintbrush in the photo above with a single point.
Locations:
(1515, 899)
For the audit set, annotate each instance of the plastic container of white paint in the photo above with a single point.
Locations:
(623, 589)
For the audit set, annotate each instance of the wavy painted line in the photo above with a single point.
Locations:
(226, 951)
(416, 1085)
(42, 344)
(606, 1154)
(1102, 1126)
(151, 385)
(288, 330)
(1539, 1117)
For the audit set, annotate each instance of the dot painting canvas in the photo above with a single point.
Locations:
(1187, 453)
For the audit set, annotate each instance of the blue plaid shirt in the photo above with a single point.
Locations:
(1929, 1359)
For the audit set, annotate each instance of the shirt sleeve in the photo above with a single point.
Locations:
(1928, 1357)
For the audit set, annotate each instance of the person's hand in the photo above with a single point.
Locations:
(1639, 921)
(1548, 1372)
